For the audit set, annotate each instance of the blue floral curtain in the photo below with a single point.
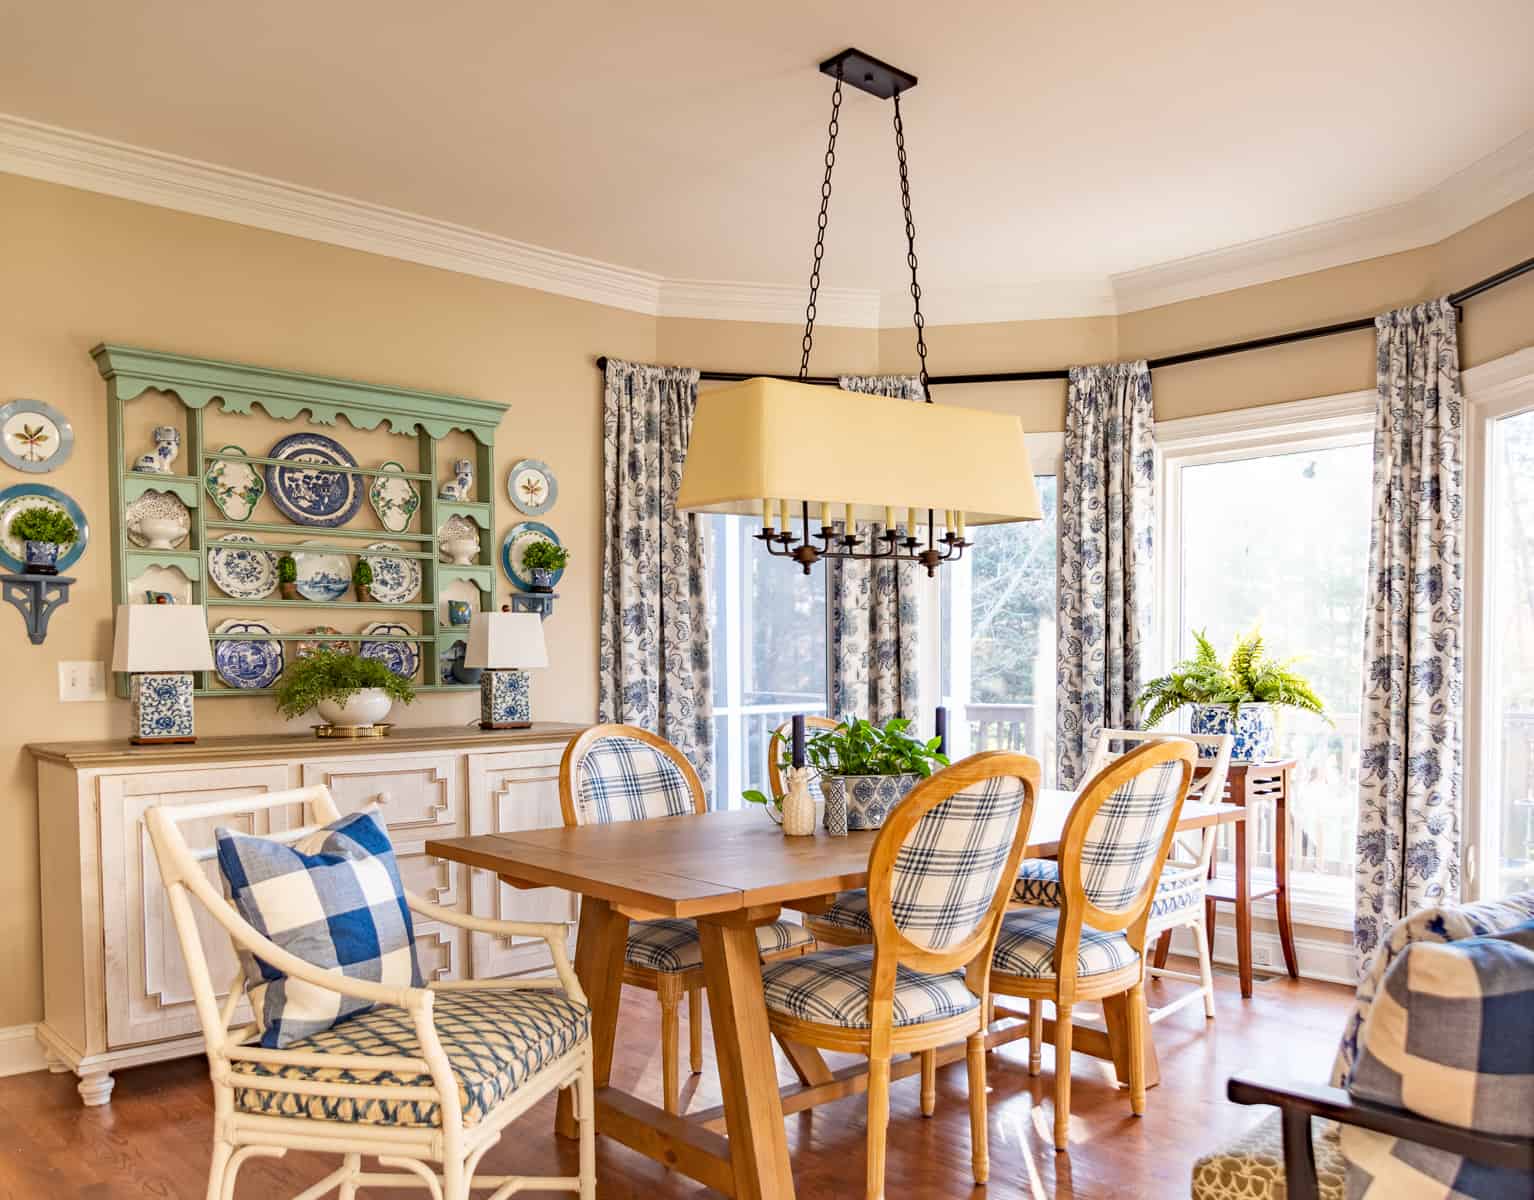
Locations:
(654, 659)
(1106, 574)
(1409, 788)
(873, 610)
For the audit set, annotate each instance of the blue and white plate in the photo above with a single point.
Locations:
(395, 580)
(306, 492)
(323, 574)
(23, 496)
(517, 541)
(241, 569)
(400, 657)
(248, 663)
(532, 486)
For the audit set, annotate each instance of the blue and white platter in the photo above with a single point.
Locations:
(18, 499)
(400, 657)
(241, 569)
(307, 493)
(248, 663)
(323, 574)
(395, 580)
(532, 486)
(520, 537)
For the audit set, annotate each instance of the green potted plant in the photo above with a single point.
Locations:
(347, 689)
(1236, 695)
(542, 559)
(362, 580)
(46, 533)
(287, 577)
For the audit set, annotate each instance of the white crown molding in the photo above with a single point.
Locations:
(20, 1051)
(1501, 377)
(96, 164)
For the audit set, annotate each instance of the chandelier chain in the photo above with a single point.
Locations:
(820, 227)
(910, 256)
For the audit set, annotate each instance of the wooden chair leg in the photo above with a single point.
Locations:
(669, 995)
(695, 1027)
(1205, 969)
(979, 1141)
(1209, 923)
(928, 1082)
(878, 1125)
(1062, 1076)
(1035, 1035)
(1136, 1030)
(1163, 948)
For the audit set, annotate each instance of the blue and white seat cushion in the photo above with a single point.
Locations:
(1026, 946)
(1125, 835)
(624, 779)
(671, 945)
(1449, 1038)
(849, 911)
(1038, 886)
(494, 1040)
(831, 987)
(334, 900)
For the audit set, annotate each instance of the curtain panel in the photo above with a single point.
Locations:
(874, 653)
(1410, 778)
(654, 660)
(1106, 574)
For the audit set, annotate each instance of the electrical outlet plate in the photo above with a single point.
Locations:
(82, 681)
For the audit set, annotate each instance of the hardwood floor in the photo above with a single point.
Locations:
(153, 1139)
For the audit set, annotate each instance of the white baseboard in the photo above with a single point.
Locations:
(1330, 962)
(20, 1051)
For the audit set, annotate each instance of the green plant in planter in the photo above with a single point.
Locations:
(287, 569)
(362, 575)
(545, 556)
(334, 675)
(859, 747)
(1248, 676)
(44, 525)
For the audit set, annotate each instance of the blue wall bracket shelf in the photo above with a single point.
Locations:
(36, 596)
(541, 603)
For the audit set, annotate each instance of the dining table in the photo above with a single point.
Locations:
(731, 871)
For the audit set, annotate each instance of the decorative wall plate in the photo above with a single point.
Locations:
(34, 436)
(248, 663)
(20, 497)
(306, 492)
(328, 637)
(322, 574)
(458, 540)
(157, 521)
(241, 569)
(517, 541)
(236, 487)
(532, 486)
(393, 497)
(169, 581)
(400, 657)
(395, 580)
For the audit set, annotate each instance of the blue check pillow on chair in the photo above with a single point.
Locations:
(334, 900)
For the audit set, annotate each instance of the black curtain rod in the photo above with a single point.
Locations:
(1171, 360)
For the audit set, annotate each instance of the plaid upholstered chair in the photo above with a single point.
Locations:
(1092, 947)
(938, 879)
(424, 1079)
(624, 773)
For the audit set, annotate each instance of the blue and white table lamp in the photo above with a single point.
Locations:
(505, 645)
(160, 645)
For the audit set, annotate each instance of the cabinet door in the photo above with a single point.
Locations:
(510, 791)
(147, 993)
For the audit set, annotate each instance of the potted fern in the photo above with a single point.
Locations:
(347, 689)
(1237, 695)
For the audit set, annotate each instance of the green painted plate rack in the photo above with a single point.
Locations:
(286, 395)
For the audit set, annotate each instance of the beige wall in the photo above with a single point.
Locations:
(77, 268)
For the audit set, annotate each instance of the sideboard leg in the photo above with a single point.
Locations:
(96, 1087)
(56, 1065)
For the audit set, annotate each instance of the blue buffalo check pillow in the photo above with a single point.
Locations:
(334, 900)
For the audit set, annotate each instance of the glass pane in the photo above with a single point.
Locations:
(1511, 579)
(1282, 541)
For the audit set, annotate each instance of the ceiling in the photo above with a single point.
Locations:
(1049, 143)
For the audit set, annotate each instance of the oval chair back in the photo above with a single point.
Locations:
(623, 773)
(774, 771)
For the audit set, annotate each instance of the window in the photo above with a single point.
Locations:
(769, 637)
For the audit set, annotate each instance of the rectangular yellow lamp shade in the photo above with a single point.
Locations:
(774, 438)
(503, 640)
(161, 638)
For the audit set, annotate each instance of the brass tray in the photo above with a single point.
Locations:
(353, 731)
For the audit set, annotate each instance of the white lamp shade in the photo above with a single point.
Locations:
(161, 637)
(501, 640)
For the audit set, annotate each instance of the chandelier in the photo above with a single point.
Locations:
(880, 475)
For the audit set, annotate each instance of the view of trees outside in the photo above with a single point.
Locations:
(1511, 575)
(1281, 541)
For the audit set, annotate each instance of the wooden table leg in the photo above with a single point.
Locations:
(599, 948)
(1281, 872)
(1243, 905)
(807, 1061)
(748, 1073)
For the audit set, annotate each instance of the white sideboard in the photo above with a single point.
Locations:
(115, 992)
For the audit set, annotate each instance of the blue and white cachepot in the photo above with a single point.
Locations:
(1251, 725)
(505, 699)
(162, 707)
(868, 799)
(42, 558)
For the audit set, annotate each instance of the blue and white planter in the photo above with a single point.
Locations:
(42, 558)
(1252, 727)
(866, 799)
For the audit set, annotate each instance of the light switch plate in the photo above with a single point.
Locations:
(81, 681)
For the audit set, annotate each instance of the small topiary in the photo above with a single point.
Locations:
(44, 525)
(545, 556)
(335, 675)
(362, 573)
(287, 569)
